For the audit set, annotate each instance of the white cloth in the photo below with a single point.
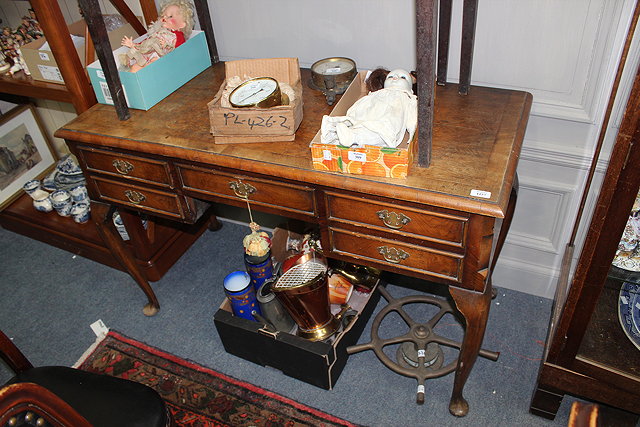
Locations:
(379, 118)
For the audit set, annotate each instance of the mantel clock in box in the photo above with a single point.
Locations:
(319, 363)
(154, 82)
(368, 160)
(231, 124)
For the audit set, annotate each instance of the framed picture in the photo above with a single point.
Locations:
(25, 152)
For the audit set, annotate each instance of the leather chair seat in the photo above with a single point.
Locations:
(94, 396)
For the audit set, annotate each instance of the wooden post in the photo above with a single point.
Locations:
(57, 33)
(149, 11)
(444, 33)
(426, 37)
(131, 18)
(202, 9)
(97, 29)
(469, 14)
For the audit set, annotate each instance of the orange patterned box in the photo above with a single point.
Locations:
(368, 160)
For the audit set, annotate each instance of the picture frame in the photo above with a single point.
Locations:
(25, 152)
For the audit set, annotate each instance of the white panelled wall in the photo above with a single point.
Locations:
(565, 52)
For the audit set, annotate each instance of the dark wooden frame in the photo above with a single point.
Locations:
(16, 400)
(563, 370)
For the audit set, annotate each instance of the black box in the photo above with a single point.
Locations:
(316, 363)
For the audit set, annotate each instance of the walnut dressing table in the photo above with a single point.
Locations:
(163, 162)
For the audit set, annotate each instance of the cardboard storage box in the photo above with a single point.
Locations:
(156, 81)
(369, 160)
(237, 125)
(41, 63)
(317, 363)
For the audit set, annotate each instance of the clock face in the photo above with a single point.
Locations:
(333, 66)
(253, 91)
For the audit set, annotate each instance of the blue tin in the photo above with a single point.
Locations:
(260, 269)
(241, 294)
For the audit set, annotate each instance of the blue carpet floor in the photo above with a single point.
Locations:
(49, 298)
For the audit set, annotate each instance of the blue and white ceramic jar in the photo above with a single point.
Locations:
(31, 186)
(241, 294)
(61, 201)
(43, 204)
(122, 230)
(79, 194)
(260, 269)
(81, 212)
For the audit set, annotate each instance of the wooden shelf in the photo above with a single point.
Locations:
(605, 342)
(64, 233)
(22, 85)
(168, 241)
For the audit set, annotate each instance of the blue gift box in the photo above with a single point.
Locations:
(156, 81)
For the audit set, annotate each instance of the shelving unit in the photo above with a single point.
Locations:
(160, 244)
(77, 88)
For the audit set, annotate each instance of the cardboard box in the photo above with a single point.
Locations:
(238, 125)
(369, 160)
(41, 63)
(317, 363)
(156, 81)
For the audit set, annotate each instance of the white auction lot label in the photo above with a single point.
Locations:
(481, 193)
(357, 156)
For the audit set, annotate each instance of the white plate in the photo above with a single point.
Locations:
(629, 311)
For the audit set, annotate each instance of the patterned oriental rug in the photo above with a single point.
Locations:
(199, 396)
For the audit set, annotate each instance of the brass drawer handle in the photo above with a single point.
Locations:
(241, 189)
(134, 196)
(393, 255)
(122, 166)
(393, 220)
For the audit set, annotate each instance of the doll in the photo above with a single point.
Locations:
(19, 39)
(4, 65)
(375, 80)
(170, 31)
(5, 36)
(31, 26)
(381, 118)
(24, 32)
(14, 57)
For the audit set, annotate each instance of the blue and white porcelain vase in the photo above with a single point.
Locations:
(43, 204)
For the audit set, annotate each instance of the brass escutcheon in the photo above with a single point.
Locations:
(393, 255)
(122, 166)
(392, 219)
(241, 189)
(134, 196)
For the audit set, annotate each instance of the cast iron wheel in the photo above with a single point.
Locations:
(428, 365)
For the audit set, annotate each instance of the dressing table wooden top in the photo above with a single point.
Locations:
(476, 144)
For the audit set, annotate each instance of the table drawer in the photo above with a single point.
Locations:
(278, 195)
(133, 168)
(140, 198)
(404, 256)
(396, 218)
